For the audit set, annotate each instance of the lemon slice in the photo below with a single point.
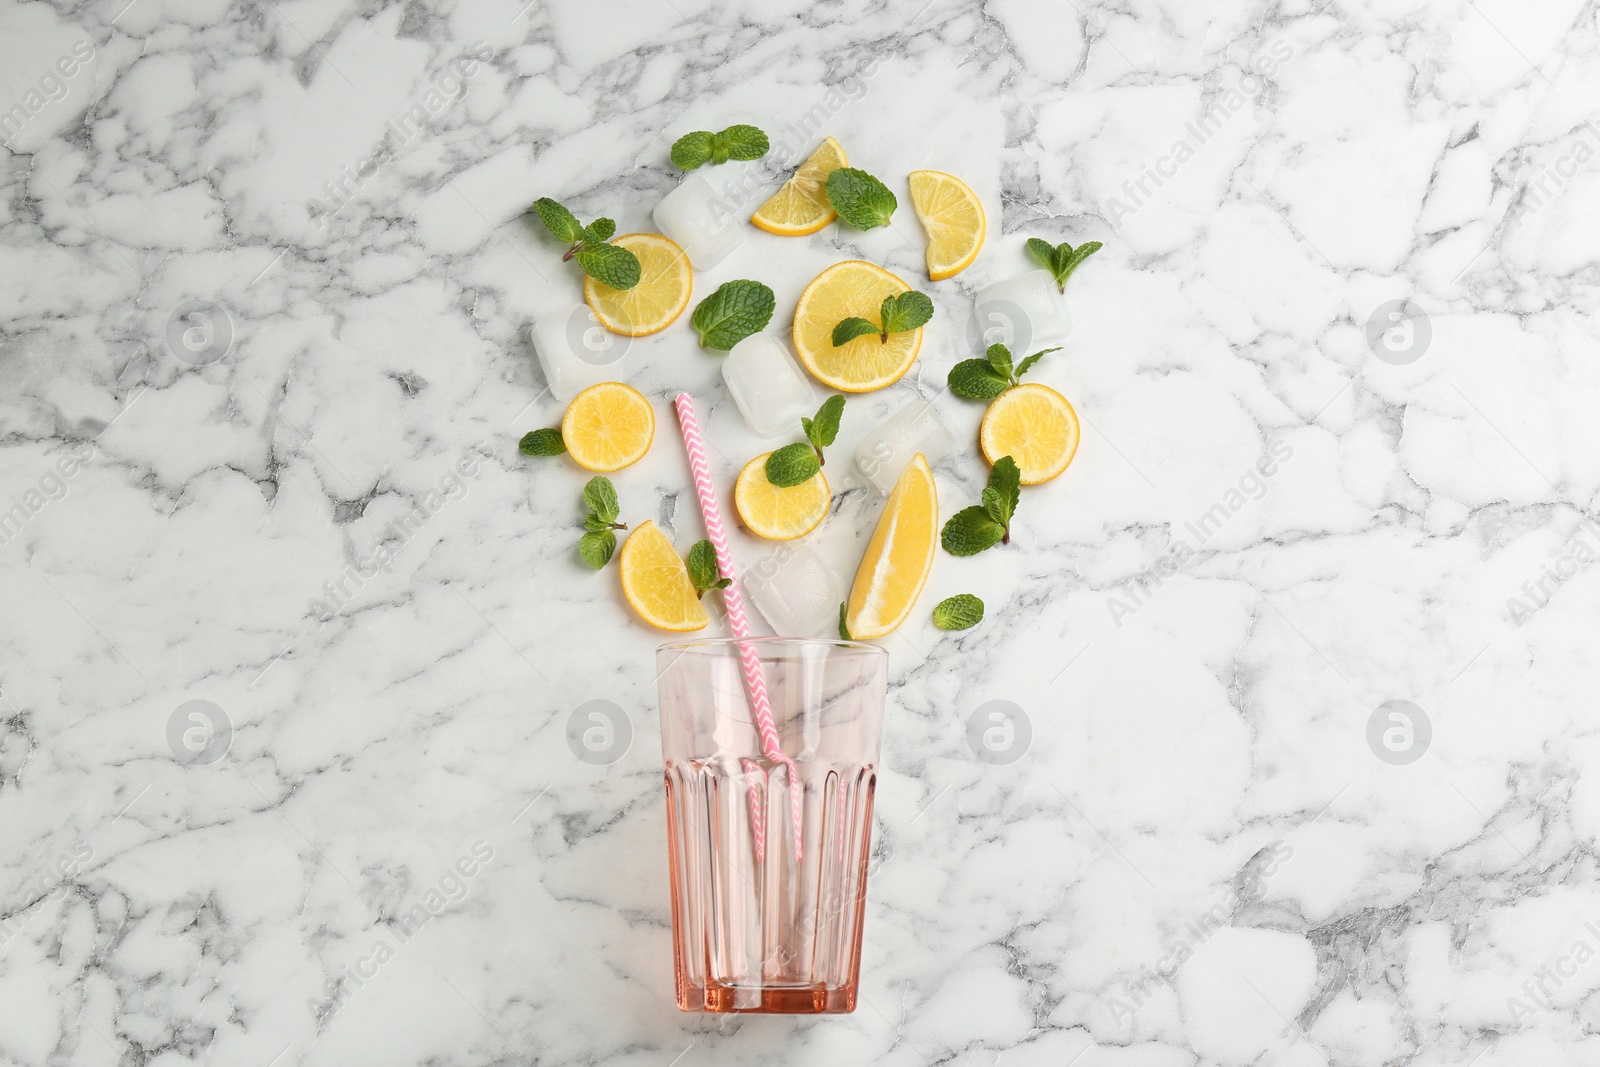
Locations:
(801, 205)
(852, 288)
(899, 556)
(665, 281)
(608, 426)
(953, 219)
(1034, 425)
(656, 582)
(779, 513)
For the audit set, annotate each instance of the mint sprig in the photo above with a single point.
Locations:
(545, 442)
(898, 314)
(960, 612)
(589, 245)
(793, 464)
(987, 378)
(704, 571)
(971, 530)
(859, 198)
(1062, 259)
(741, 142)
(735, 311)
(598, 543)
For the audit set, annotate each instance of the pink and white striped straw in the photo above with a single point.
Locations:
(755, 681)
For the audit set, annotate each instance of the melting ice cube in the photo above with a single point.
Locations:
(704, 222)
(576, 351)
(770, 389)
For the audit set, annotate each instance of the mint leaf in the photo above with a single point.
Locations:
(599, 231)
(905, 312)
(601, 497)
(542, 443)
(994, 504)
(960, 612)
(859, 198)
(1025, 365)
(1043, 251)
(742, 142)
(703, 570)
(825, 427)
(593, 522)
(970, 531)
(692, 149)
(596, 547)
(844, 631)
(558, 220)
(735, 311)
(999, 357)
(792, 464)
(1062, 259)
(849, 329)
(609, 265)
(1006, 480)
(975, 379)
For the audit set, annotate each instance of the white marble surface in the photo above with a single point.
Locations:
(1203, 755)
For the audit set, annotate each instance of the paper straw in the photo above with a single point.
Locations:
(755, 680)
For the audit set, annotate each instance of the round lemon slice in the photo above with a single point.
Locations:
(852, 288)
(775, 512)
(1034, 425)
(665, 282)
(608, 426)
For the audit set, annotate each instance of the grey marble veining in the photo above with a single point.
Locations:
(302, 516)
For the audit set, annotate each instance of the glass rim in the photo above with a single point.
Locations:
(730, 645)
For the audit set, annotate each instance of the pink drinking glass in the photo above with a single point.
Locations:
(780, 934)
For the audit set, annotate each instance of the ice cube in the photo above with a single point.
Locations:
(797, 592)
(576, 351)
(770, 389)
(1024, 313)
(705, 222)
(883, 453)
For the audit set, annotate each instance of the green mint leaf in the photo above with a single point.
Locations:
(995, 506)
(703, 569)
(1043, 251)
(1006, 480)
(859, 198)
(792, 464)
(844, 631)
(809, 428)
(1067, 259)
(596, 547)
(1000, 359)
(542, 443)
(735, 311)
(609, 265)
(906, 311)
(827, 422)
(849, 329)
(592, 522)
(975, 379)
(558, 220)
(1027, 364)
(742, 142)
(692, 149)
(970, 531)
(601, 497)
(600, 230)
(960, 612)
